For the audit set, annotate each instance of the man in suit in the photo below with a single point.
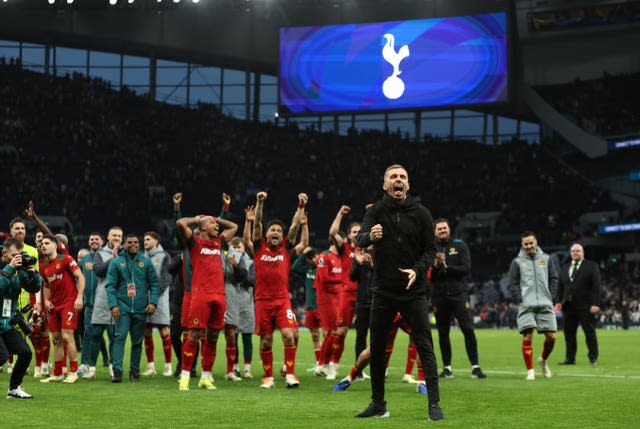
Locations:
(579, 295)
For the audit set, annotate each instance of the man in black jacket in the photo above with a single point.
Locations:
(449, 297)
(401, 231)
(579, 295)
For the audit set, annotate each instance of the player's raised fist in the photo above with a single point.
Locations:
(261, 196)
(345, 210)
(303, 198)
(177, 198)
(226, 198)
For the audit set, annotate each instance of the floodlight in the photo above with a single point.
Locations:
(113, 2)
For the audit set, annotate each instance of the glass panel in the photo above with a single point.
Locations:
(233, 76)
(209, 95)
(436, 127)
(171, 73)
(268, 93)
(136, 76)
(100, 59)
(67, 57)
(201, 75)
(133, 61)
(33, 57)
(9, 49)
(109, 74)
(172, 94)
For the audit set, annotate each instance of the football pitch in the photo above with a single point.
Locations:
(578, 396)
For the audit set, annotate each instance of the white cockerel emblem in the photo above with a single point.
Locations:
(393, 86)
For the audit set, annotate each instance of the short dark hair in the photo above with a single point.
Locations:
(96, 233)
(153, 235)
(391, 167)
(235, 240)
(440, 220)
(129, 235)
(528, 233)
(16, 220)
(351, 225)
(277, 222)
(50, 237)
(12, 242)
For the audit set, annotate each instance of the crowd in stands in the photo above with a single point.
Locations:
(81, 149)
(604, 107)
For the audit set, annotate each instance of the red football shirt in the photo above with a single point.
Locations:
(272, 265)
(58, 276)
(346, 259)
(207, 274)
(328, 273)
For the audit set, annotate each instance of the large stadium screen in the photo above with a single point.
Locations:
(426, 63)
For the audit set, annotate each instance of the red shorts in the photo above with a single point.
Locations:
(63, 317)
(184, 312)
(312, 319)
(328, 306)
(274, 314)
(347, 307)
(206, 311)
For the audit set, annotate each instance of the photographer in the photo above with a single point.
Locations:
(18, 272)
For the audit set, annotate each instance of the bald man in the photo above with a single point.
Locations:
(579, 292)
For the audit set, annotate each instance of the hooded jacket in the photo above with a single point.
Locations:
(533, 281)
(407, 241)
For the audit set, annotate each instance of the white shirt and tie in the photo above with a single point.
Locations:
(575, 266)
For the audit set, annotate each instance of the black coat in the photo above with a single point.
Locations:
(585, 290)
(407, 241)
(452, 281)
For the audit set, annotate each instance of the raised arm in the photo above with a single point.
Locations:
(257, 223)
(226, 205)
(249, 219)
(334, 229)
(297, 217)
(184, 230)
(230, 228)
(304, 236)
(31, 212)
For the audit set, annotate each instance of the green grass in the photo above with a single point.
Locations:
(576, 397)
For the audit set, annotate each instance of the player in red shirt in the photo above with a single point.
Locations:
(64, 286)
(207, 304)
(328, 283)
(347, 298)
(272, 265)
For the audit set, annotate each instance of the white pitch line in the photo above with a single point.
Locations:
(555, 374)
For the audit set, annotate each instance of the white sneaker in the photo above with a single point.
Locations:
(151, 370)
(362, 377)
(408, 378)
(52, 379)
(10, 368)
(232, 377)
(247, 374)
(111, 370)
(168, 371)
(45, 369)
(18, 393)
(319, 371)
(332, 372)
(37, 372)
(545, 368)
(71, 378)
(267, 383)
(283, 370)
(531, 374)
(292, 381)
(90, 374)
(82, 369)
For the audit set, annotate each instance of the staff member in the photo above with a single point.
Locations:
(401, 231)
(13, 278)
(579, 296)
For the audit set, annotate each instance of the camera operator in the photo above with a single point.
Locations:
(18, 272)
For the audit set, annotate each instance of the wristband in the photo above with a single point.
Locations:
(300, 206)
(225, 207)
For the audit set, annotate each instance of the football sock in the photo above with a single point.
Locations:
(73, 366)
(188, 354)
(57, 367)
(231, 351)
(166, 347)
(411, 358)
(290, 358)
(527, 353)
(318, 353)
(208, 356)
(267, 362)
(337, 347)
(548, 347)
(148, 347)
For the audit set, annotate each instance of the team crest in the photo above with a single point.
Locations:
(196, 321)
(542, 262)
(141, 264)
(57, 266)
(453, 251)
(466, 305)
